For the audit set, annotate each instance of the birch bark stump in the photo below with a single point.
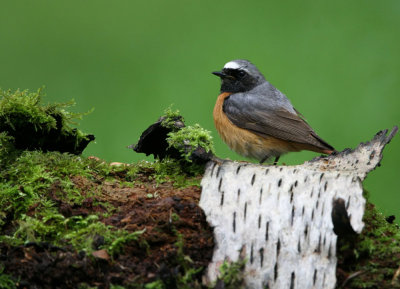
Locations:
(285, 219)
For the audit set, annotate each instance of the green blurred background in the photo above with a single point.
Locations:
(337, 61)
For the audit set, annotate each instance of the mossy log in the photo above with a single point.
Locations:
(286, 219)
(72, 222)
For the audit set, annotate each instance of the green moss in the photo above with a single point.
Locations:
(170, 118)
(31, 184)
(7, 149)
(25, 105)
(160, 171)
(6, 282)
(26, 181)
(36, 126)
(232, 274)
(77, 231)
(188, 139)
(375, 253)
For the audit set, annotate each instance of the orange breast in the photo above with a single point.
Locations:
(245, 142)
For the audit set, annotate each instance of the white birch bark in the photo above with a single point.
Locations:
(280, 217)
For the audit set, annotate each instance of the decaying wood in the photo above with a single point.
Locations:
(286, 218)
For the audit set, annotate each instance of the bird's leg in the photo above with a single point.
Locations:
(263, 159)
(276, 160)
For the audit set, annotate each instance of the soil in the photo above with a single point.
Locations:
(161, 210)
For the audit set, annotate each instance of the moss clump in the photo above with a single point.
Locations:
(169, 139)
(232, 275)
(372, 258)
(170, 118)
(30, 187)
(189, 139)
(34, 126)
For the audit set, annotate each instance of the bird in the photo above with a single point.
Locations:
(258, 121)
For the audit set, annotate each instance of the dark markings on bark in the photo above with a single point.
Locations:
(320, 177)
(220, 184)
(212, 170)
(245, 210)
(278, 248)
(234, 222)
(295, 183)
(315, 276)
(318, 249)
(260, 200)
(291, 222)
(218, 171)
(251, 254)
(261, 251)
(222, 198)
(253, 179)
(279, 182)
(259, 221)
(372, 155)
(305, 179)
(329, 251)
(238, 169)
(276, 271)
(266, 231)
(299, 246)
(238, 194)
(292, 280)
(266, 171)
(325, 186)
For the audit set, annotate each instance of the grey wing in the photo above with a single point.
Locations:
(255, 114)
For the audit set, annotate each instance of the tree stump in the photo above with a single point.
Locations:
(286, 219)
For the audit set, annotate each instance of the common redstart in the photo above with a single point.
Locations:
(258, 121)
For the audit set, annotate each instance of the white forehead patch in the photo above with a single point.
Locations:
(232, 65)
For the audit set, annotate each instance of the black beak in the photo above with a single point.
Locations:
(219, 74)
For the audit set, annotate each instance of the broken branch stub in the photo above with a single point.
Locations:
(286, 218)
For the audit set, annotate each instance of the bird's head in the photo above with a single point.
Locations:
(239, 76)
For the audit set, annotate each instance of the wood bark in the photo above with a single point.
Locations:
(286, 219)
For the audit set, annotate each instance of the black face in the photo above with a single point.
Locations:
(236, 80)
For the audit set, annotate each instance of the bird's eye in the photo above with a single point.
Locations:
(242, 73)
